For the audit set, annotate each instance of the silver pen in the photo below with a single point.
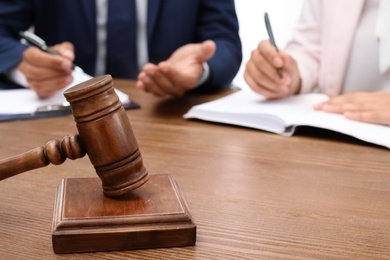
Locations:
(272, 39)
(36, 41)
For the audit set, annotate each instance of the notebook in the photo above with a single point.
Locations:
(246, 108)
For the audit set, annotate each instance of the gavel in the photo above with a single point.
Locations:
(105, 134)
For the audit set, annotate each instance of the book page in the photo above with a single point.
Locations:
(282, 116)
(372, 133)
(246, 108)
(26, 101)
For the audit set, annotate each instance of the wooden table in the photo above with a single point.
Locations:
(252, 194)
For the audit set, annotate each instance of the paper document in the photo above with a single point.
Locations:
(283, 116)
(26, 101)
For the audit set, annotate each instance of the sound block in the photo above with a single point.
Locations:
(154, 215)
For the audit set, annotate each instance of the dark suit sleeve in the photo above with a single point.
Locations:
(14, 17)
(178, 23)
(218, 22)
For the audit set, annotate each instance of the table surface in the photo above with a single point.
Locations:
(252, 194)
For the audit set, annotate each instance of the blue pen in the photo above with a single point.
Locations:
(36, 41)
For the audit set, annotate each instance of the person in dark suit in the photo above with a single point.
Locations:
(192, 44)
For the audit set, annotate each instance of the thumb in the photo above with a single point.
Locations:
(291, 69)
(289, 64)
(65, 49)
(206, 50)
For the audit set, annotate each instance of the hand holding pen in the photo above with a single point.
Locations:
(36, 41)
(47, 70)
(270, 72)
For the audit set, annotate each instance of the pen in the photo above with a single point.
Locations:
(36, 41)
(272, 39)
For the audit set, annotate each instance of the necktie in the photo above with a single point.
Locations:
(383, 34)
(121, 61)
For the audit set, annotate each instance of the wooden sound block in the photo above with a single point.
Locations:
(152, 216)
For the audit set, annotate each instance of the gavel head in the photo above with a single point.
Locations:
(107, 136)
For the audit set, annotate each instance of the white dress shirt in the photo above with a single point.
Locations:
(142, 42)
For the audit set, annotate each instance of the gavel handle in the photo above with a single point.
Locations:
(54, 152)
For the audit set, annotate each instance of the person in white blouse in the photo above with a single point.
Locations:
(339, 48)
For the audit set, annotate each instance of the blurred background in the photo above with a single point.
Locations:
(282, 14)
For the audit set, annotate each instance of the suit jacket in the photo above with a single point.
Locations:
(170, 24)
(322, 41)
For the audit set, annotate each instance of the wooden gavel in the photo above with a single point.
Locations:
(105, 134)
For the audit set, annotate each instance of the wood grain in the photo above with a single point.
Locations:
(153, 216)
(253, 195)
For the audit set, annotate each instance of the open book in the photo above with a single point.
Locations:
(245, 108)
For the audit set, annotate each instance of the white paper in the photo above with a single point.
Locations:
(26, 101)
(245, 108)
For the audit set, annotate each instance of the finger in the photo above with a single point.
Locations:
(355, 97)
(38, 58)
(270, 53)
(46, 88)
(269, 72)
(161, 78)
(319, 106)
(41, 73)
(374, 117)
(148, 85)
(359, 99)
(263, 90)
(346, 107)
(206, 50)
(259, 64)
(334, 101)
(336, 109)
(182, 80)
(258, 88)
(291, 72)
(263, 78)
(65, 49)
